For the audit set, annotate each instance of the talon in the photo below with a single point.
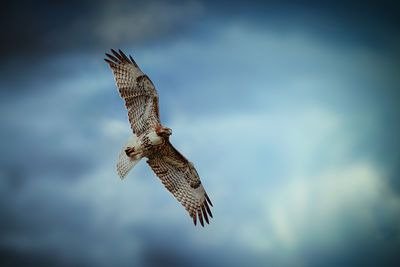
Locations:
(129, 151)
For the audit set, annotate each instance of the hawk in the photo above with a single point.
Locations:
(151, 140)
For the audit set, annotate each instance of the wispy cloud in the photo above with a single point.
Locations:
(127, 22)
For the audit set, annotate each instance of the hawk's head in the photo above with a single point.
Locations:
(164, 131)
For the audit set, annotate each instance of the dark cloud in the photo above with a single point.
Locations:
(36, 30)
(15, 258)
(366, 22)
(42, 28)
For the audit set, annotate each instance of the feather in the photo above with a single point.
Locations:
(123, 55)
(204, 214)
(117, 55)
(200, 218)
(112, 64)
(208, 208)
(133, 61)
(195, 219)
(113, 58)
(209, 201)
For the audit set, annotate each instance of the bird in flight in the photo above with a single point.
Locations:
(151, 140)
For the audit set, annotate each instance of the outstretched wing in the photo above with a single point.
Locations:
(181, 179)
(141, 98)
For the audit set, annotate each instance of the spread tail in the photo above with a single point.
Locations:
(125, 163)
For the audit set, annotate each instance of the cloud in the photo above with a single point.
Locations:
(280, 128)
(288, 205)
(320, 209)
(88, 25)
(125, 21)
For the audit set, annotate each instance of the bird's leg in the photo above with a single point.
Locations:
(131, 152)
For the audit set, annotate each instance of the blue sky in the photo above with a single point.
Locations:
(288, 111)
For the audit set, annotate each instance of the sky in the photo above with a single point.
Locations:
(288, 110)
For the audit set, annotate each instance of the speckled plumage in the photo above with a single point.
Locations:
(176, 173)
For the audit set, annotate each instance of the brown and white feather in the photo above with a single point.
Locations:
(181, 179)
(138, 91)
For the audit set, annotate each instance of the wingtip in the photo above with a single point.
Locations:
(133, 61)
(120, 57)
(208, 209)
(205, 214)
(195, 219)
(113, 51)
(111, 63)
(200, 218)
(208, 200)
(123, 55)
(114, 60)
